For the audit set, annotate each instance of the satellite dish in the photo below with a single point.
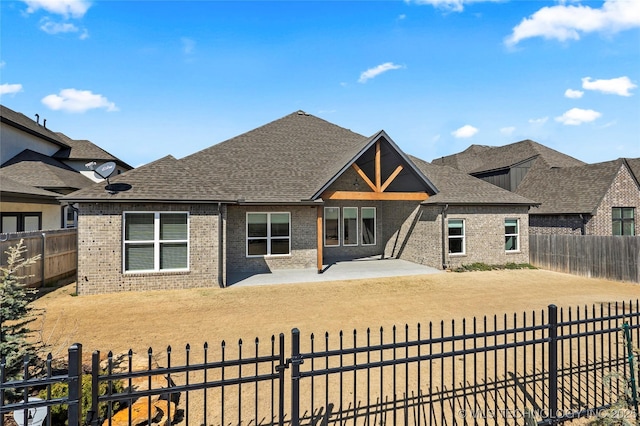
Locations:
(106, 170)
(35, 415)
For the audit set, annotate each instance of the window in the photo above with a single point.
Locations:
(268, 234)
(69, 217)
(456, 236)
(511, 235)
(156, 241)
(331, 227)
(20, 222)
(623, 221)
(368, 226)
(350, 226)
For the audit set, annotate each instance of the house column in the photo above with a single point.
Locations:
(319, 233)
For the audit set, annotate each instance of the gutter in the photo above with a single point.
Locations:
(444, 253)
(221, 266)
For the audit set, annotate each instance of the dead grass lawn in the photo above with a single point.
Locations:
(139, 320)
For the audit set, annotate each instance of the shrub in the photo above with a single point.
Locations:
(61, 390)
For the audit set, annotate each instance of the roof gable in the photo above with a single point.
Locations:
(84, 150)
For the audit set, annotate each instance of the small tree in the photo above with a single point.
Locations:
(15, 312)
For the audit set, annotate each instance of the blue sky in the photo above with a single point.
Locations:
(144, 79)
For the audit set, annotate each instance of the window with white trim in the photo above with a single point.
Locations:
(268, 234)
(456, 236)
(155, 241)
(368, 226)
(331, 226)
(512, 234)
(350, 226)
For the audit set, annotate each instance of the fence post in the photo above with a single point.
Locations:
(295, 377)
(75, 384)
(553, 364)
(282, 367)
(632, 367)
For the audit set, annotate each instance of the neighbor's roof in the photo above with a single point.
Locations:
(457, 187)
(24, 123)
(478, 158)
(570, 190)
(10, 186)
(39, 170)
(85, 150)
(634, 165)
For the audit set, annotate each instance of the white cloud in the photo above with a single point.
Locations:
(402, 17)
(376, 71)
(66, 8)
(465, 131)
(51, 27)
(615, 86)
(573, 94)
(538, 121)
(567, 22)
(10, 89)
(577, 116)
(2, 64)
(449, 5)
(73, 100)
(507, 131)
(188, 45)
(436, 138)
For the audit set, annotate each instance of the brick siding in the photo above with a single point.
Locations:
(100, 267)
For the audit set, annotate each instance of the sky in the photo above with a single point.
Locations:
(145, 79)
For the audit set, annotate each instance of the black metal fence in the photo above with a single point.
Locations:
(552, 365)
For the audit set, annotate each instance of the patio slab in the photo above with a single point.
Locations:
(337, 271)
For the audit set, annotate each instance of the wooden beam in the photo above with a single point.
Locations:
(383, 196)
(364, 177)
(377, 166)
(395, 174)
(320, 238)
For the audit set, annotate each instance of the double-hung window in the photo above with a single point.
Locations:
(511, 235)
(456, 236)
(623, 221)
(156, 241)
(268, 234)
(368, 226)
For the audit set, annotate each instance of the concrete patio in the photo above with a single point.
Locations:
(336, 271)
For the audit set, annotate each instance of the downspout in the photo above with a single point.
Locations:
(44, 256)
(221, 282)
(583, 223)
(444, 253)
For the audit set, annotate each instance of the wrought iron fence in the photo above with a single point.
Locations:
(551, 366)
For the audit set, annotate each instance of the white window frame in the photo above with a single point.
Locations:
(157, 242)
(517, 234)
(462, 237)
(324, 228)
(269, 238)
(344, 243)
(375, 226)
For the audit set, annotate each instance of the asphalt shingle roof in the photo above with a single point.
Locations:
(569, 190)
(10, 186)
(479, 158)
(39, 170)
(457, 187)
(84, 150)
(286, 161)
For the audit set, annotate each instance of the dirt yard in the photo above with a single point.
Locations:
(139, 320)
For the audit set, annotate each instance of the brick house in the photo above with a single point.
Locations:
(299, 192)
(574, 198)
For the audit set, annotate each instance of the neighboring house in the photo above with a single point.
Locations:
(298, 192)
(575, 197)
(37, 166)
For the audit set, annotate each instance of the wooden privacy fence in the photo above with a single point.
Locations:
(610, 257)
(58, 250)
